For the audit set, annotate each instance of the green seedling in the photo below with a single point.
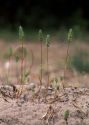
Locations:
(48, 45)
(41, 40)
(66, 116)
(69, 40)
(55, 84)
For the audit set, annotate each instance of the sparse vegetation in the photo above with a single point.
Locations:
(50, 98)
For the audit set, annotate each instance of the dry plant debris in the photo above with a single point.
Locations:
(50, 116)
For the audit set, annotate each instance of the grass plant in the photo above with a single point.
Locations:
(47, 49)
(66, 116)
(41, 41)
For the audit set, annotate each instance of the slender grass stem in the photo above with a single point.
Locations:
(48, 65)
(22, 64)
(41, 62)
(41, 56)
(66, 61)
(48, 45)
(69, 39)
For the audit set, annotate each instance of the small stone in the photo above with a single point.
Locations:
(50, 90)
(31, 86)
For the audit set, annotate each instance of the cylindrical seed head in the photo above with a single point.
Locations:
(40, 35)
(70, 35)
(21, 33)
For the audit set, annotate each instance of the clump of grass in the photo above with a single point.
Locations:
(66, 116)
(80, 61)
(47, 46)
(55, 84)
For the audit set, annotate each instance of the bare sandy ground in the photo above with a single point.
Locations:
(25, 111)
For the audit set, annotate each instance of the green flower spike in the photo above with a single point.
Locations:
(40, 35)
(70, 35)
(21, 33)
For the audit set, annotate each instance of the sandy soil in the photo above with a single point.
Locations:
(27, 110)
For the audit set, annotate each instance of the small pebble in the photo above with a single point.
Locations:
(31, 86)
